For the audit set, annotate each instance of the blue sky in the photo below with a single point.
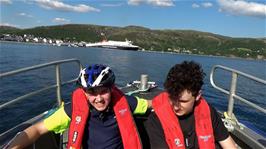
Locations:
(234, 18)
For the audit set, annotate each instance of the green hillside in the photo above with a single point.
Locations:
(8, 29)
(184, 41)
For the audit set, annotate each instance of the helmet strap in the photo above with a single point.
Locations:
(100, 77)
(82, 79)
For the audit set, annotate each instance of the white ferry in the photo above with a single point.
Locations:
(123, 45)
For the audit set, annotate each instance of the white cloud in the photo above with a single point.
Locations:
(8, 24)
(5, 2)
(57, 5)
(61, 20)
(135, 2)
(207, 4)
(25, 15)
(241, 7)
(162, 3)
(195, 5)
(112, 5)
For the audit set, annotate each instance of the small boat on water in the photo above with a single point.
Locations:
(244, 135)
(123, 45)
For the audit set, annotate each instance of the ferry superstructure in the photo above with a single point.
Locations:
(111, 44)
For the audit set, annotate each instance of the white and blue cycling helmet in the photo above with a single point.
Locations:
(96, 75)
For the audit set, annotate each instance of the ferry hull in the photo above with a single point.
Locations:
(119, 48)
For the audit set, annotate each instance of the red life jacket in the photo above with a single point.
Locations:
(80, 113)
(170, 123)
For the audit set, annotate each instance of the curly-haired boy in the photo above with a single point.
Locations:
(182, 118)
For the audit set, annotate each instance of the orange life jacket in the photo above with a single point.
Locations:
(170, 123)
(80, 113)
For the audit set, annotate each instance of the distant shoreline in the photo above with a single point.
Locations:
(162, 52)
(204, 55)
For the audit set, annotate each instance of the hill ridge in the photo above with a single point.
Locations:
(168, 40)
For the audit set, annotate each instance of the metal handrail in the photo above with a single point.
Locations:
(232, 92)
(57, 85)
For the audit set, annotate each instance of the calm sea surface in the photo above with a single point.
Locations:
(128, 66)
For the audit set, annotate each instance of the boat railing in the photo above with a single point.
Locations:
(58, 84)
(232, 93)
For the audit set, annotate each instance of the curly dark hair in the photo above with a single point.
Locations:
(185, 76)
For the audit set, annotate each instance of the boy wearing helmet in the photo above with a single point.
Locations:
(182, 118)
(99, 116)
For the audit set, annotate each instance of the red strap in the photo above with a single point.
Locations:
(204, 129)
(126, 123)
(80, 113)
(173, 133)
